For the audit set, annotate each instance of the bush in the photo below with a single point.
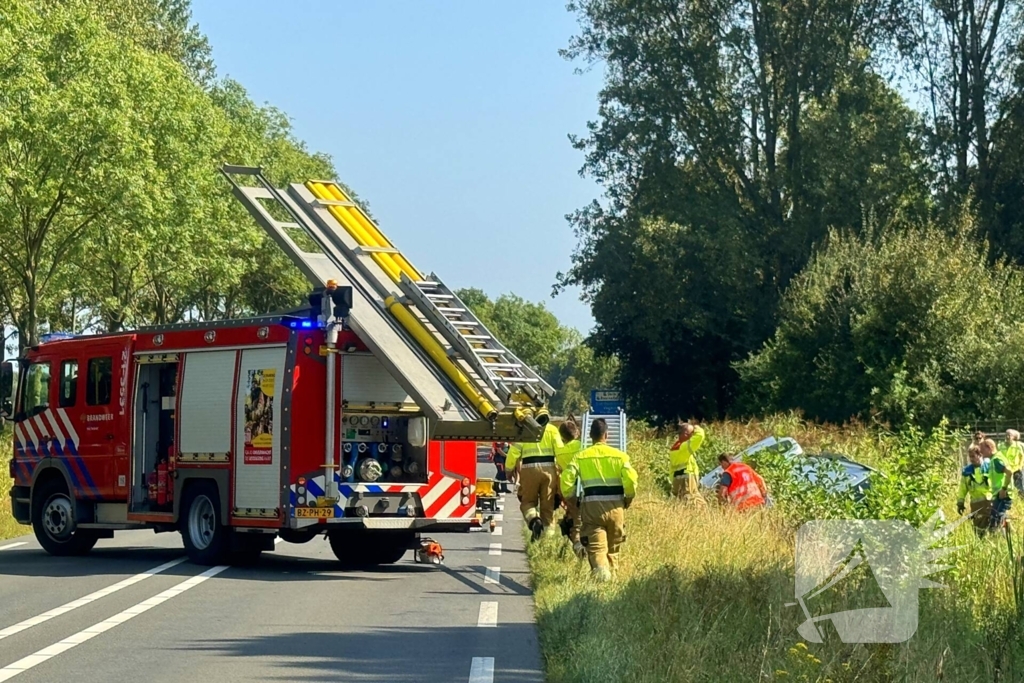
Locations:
(705, 594)
(904, 325)
(916, 468)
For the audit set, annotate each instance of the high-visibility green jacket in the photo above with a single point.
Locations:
(565, 454)
(1013, 453)
(974, 483)
(540, 454)
(604, 473)
(999, 475)
(682, 455)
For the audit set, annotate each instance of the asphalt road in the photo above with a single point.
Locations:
(135, 610)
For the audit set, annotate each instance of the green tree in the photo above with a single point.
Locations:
(577, 371)
(730, 137)
(906, 324)
(92, 130)
(159, 26)
(966, 53)
(253, 276)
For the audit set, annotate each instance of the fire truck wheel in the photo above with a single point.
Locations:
(348, 548)
(205, 538)
(363, 549)
(391, 550)
(54, 524)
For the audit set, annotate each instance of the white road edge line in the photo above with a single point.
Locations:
(91, 597)
(494, 549)
(14, 545)
(482, 670)
(26, 663)
(492, 575)
(488, 617)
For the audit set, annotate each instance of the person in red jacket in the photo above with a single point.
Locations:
(739, 485)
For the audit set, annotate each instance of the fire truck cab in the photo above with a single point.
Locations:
(356, 418)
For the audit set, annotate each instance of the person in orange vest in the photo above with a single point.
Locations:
(739, 485)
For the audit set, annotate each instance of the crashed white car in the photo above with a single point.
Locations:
(854, 476)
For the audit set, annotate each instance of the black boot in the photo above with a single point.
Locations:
(537, 528)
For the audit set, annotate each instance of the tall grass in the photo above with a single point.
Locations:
(703, 594)
(8, 527)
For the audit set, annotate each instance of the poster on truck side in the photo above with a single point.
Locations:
(259, 418)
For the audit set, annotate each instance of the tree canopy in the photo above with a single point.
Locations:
(733, 137)
(112, 213)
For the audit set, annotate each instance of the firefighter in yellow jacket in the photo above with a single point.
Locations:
(683, 462)
(538, 479)
(603, 483)
(570, 434)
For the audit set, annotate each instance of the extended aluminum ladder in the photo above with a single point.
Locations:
(616, 429)
(405, 318)
(471, 341)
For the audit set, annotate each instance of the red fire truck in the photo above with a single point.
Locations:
(356, 417)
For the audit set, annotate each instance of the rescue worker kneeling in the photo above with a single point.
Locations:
(740, 486)
(602, 482)
(538, 479)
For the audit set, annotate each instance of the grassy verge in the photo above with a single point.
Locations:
(8, 527)
(702, 595)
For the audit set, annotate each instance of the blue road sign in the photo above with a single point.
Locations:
(606, 401)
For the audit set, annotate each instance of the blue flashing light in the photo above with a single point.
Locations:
(384, 423)
(304, 324)
(55, 336)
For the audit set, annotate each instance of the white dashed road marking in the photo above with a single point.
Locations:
(13, 545)
(492, 575)
(26, 663)
(91, 597)
(482, 670)
(497, 531)
(488, 616)
(498, 518)
(495, 549)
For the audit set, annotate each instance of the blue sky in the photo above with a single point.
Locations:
(450, 118)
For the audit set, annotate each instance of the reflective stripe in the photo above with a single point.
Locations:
(540, 465)
(530, 460)
(602, 499)
(743, 495)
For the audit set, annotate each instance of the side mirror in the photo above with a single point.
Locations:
(7, 387)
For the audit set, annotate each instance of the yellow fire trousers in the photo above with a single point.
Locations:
(537, 493)
(572, 511)
(603, 532)
(685, 487)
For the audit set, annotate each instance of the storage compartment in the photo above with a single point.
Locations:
(156, 390)
(383, 448)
